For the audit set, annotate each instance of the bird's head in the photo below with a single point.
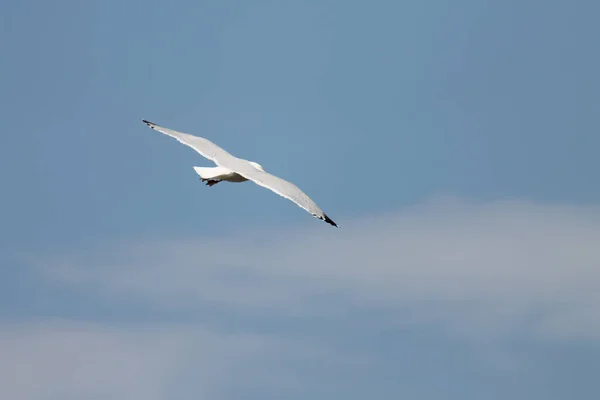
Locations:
(257, 165)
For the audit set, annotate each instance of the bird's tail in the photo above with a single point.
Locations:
(209, 172)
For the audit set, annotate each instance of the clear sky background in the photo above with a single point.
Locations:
(455, 142)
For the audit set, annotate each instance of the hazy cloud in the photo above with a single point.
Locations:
(58, 359)
(498, 268)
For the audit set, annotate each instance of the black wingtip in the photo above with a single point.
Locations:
(148, 123)
(329, 220)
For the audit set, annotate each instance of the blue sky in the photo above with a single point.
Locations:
(455, 142)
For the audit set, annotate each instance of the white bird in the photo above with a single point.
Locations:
(232, 169)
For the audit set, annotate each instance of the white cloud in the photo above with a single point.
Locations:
(58, 359)
(483, 270)
(503, 267)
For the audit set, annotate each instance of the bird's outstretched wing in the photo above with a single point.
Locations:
(205, 147)
(243, 167)
(280, 186)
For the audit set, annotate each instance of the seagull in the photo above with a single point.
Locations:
(232, 169)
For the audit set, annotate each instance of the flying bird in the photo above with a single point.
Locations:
(232, 169)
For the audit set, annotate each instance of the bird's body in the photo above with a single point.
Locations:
(219, 174)
(223, 174)
(233, 169)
